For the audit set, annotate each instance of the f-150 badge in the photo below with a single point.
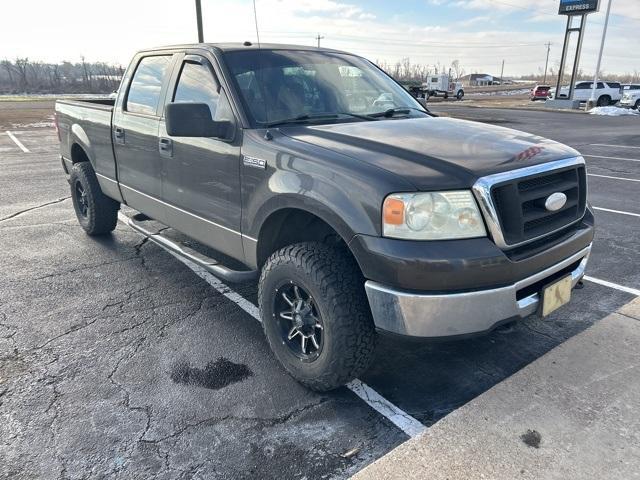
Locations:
(254, 162)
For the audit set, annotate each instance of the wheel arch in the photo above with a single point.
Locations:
(293, 224)
(81, 148)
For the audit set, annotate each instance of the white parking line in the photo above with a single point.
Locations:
(617, 211)
(622, 288)
(405, 422)
(613, 178)
(384, 407)
(17, 142)
(613, 158)
(613, 146)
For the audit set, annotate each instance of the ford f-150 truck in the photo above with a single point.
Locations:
(358, 216)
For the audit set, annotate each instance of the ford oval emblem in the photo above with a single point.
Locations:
(555, 201)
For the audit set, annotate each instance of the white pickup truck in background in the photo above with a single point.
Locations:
(631, 96)
(607, 93)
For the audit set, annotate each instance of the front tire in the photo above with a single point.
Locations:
(637, 106)
(459, 95)
(315, 314)
(97, 213)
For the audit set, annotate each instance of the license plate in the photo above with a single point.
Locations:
(556, 295)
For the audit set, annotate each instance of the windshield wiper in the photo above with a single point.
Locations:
(393, 111)
(317, 116)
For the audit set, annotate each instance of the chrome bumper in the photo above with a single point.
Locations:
(445, 315)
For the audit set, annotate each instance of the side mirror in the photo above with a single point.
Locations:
(194, 120)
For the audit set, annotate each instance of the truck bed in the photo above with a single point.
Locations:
(97, 103)
(87, 123)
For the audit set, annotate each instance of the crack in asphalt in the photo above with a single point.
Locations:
(269, 422)
(75, 270)
(46, 204)
(538, 332)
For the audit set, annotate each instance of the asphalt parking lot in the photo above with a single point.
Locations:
(116, 359)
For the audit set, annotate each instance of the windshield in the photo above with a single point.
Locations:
(278, 86)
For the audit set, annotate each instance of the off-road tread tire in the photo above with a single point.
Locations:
(102, 211)
(344, 309)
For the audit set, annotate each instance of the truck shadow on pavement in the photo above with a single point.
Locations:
(430, 380)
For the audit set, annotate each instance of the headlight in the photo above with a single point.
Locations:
(432, 216)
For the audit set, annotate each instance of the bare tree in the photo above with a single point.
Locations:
(457, 70)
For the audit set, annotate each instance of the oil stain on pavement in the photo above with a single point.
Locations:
(215, 375)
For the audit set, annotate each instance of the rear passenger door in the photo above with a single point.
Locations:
(202, 175)
(135, 135)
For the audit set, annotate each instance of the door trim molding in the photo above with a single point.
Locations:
(189, 213)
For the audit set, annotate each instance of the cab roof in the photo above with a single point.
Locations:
(238, 46)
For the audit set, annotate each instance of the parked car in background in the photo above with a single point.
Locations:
(540, 92)
(631, 96)
(607, 93)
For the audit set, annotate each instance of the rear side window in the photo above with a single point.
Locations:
(614, 85)
(144, 92)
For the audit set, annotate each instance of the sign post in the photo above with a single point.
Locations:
(572, 9)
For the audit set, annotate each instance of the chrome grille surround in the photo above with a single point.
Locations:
(482, 190)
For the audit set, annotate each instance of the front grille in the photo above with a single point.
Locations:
(519, 203)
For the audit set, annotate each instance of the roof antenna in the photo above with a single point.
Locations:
(255, 17)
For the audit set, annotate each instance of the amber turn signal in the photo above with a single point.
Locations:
(393, 211)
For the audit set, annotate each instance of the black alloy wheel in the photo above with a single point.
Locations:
(299, 321)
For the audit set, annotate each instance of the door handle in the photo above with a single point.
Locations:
(118, 132)
(165, 145)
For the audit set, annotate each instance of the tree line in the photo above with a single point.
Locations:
(28, 76)
(405, 71)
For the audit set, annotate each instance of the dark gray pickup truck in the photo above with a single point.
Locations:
(359, 211)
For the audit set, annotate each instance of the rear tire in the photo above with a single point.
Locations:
(319, 290)
(604, 101)
(97, 213)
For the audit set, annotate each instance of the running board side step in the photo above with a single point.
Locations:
(209, 264)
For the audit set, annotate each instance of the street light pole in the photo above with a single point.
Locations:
(546, 63)
(199, 20)
(592, 101)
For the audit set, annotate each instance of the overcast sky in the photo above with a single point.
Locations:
(479, 33)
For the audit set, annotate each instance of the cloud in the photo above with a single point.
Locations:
(473, 21)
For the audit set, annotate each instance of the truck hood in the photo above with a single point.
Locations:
(434, 152)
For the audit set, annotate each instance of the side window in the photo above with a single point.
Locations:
(144, 92)
(583, 86)
(601, 85)
(196, 84)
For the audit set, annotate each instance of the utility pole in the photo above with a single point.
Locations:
(502, 73)
(318, 38)
(546, 64)
(592, 101)
(199, 20)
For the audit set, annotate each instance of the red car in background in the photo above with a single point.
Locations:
(540, 92)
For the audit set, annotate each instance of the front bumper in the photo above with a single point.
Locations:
(464, 313)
